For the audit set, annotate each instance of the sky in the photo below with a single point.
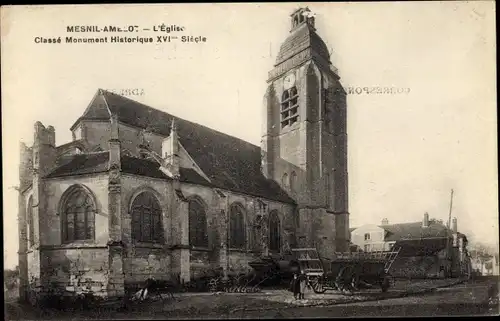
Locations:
(406, 151)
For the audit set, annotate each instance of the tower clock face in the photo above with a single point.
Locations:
(289, 81)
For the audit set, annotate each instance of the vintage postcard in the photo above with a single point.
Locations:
(253, 160)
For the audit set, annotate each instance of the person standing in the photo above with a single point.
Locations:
(302, 281)
(295, 286)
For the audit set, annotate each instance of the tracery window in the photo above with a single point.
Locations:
(237, 233)
(289, 107)
(146, 218)
(198, 236)
(274, 231)
(79, 212)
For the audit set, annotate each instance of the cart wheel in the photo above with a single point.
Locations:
(355, 282)
(317, 285)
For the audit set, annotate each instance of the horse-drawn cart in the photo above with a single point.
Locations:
(346, 271)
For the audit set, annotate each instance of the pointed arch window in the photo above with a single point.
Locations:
(31, 223)
(198, 236)
(237, 233)
(289, 107)
(274, 232)
(79, 211)
(146, 218)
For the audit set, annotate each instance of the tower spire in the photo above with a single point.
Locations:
(173, 127)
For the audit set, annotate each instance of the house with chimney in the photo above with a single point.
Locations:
(426, 249)
(484, 264)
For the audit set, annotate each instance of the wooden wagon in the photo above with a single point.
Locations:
(346, 271)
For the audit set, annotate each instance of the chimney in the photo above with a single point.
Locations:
(385, 221)
(454, 227)
(425, 222)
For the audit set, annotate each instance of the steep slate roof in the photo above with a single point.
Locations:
(142, 167)
(98, 163)
(414, 230)
(230, 163)
(300, 39)
(80, 164)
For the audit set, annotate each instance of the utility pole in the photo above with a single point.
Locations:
(448, 250)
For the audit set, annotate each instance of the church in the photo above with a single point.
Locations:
(140, 193)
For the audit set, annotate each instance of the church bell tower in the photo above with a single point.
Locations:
(304, 141)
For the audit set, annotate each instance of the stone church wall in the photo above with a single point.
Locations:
(33, 264)
(96, 133)
(76, 266)
(218, 209)
(50, 221)
(205, 261)
(143, 260)
(76, 270)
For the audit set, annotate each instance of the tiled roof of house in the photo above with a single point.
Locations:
(229, 162)
(415, 230)
(420, 247)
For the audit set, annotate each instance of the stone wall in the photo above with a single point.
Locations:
(217, 219)
(76, 270)
(315, 150)
(50, 220)
(143, 260)
(96, 133)
(427, 266)
(418, 267)
(238, 261)
(33, 266)
(201, 263)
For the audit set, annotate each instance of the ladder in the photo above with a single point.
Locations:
(392, 257)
